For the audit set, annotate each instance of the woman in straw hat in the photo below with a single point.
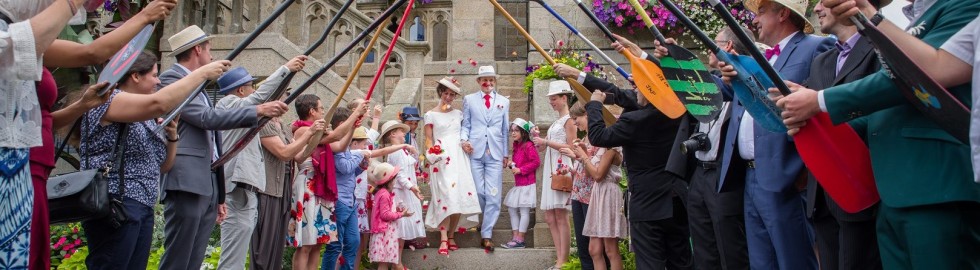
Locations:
(560, 135)
(454, 205)
(406, 186)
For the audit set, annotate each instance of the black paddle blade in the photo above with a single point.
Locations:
(120, 63)
(923, 92)
(692, 83)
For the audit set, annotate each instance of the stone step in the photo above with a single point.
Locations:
(472, 238)
(478, 259)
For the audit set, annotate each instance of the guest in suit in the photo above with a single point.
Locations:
(717, 218)
(776, 230)
(844, 240)
(192, 195)
(484, 137)
(245, 173)
(658, 222)
(921, 224)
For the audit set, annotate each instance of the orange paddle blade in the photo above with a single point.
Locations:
(584, 93)
(652, 83)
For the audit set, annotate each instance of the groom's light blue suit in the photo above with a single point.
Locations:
(487, 129)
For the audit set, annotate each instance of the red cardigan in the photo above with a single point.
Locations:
(526, 158)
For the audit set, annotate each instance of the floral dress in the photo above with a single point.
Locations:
(605, 218)
(311, 218)
(384, 233)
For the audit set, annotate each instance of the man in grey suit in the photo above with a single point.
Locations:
(193, 196)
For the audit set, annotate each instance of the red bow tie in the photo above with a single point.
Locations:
(772, 52)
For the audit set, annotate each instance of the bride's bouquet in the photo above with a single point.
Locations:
(436, 154)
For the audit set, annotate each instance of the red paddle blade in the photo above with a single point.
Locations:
(840, 161)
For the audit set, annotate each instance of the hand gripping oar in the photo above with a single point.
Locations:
(240, 144)
(579, 89)
(587, 41)
(252, 132)
(231, 56)
(120, 63)
(835, 155)
(318, 134)
(647, 76)
(687, 75)
(925, 94)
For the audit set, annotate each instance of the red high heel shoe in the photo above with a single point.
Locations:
(444, 251)
(452, 246)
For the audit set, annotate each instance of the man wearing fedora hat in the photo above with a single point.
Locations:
(193, 195)
(245, 173)
(484, 137)
(776, 229)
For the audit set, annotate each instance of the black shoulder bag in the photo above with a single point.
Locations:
(84, 195)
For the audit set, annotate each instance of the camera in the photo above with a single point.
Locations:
(697, 142)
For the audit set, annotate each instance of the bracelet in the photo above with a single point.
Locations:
(173, 140)
(71, 5)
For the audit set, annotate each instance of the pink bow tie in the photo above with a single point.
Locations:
(772, 52)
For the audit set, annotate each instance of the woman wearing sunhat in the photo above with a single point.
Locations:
(560, 135)
(454, 205)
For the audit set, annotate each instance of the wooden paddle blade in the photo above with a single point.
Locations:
(840, 161)
(751, 88)
(922, 91)
(650, 81)
(585, 94)
(692, 83)
(120, 63)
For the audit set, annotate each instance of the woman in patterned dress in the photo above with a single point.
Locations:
(560, 135)
(312, 222)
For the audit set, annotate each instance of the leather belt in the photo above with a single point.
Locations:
(708, 164)
(750, 164)
(247, 187)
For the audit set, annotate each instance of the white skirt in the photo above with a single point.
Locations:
(523, 196)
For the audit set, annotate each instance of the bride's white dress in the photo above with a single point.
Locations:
(450, 178)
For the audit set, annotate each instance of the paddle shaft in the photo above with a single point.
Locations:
(239, 145)
(582, 92)
(318, 134)
(231, 56)
(252, 132)
(744, 38)
(587, 41)
(646, 20)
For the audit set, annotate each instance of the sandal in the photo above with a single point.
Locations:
(443, 251)
(452, 246)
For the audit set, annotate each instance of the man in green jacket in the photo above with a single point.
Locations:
(930, 212)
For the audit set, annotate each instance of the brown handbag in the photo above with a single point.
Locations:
(561, 182)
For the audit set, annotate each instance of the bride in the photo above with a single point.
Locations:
(454, 205)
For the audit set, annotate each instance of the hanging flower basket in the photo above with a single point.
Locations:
(619, 13)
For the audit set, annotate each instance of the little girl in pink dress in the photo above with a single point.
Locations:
(384, 238)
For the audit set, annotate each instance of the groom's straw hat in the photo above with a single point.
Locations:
(186, 39)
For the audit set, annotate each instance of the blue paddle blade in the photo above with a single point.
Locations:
(120, 63)
(751, 88)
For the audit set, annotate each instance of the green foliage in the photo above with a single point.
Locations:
(629, 258)
(74, 261)
(211, 260)
(154, 261)
(562, 53)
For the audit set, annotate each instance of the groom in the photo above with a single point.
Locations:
(485, 115)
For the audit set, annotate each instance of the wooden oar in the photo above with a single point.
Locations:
(925, 94)
(687, 75)
(252, 132)
(240, 144)
(579, 89)
(231, 56)
(835, 155)
(649, 79)
(377, 76)
(318, 134)
(586, 40)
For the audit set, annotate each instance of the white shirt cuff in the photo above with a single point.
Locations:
(581, 77)
(821, 102)
(644, 55)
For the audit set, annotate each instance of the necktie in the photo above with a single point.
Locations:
(772, 52)
(486, 97)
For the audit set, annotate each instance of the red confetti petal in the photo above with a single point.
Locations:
(473, 63)
(438, 201)
(424, 257)
(469, 193)
(487, 251)
(461, 230)
(435, 170)
(459, 61)
(441, 228)
(452, 70)
(445, 208)
(479, 44)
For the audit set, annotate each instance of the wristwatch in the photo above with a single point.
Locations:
(877, 18)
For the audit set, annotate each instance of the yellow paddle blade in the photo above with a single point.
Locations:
(650, 81)
(584, 93)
